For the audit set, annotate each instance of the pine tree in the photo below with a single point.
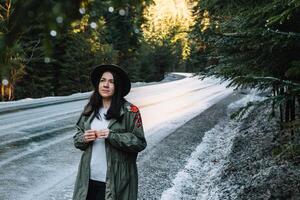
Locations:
(254, 44)
(22, 45)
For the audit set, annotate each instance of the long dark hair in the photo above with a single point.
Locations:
(95, 101)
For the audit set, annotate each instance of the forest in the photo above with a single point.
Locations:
(48, 48)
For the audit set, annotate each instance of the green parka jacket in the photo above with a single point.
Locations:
(125, 140)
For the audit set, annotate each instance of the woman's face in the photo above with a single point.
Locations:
(106, 85)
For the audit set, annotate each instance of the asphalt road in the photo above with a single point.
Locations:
(38, 160)
(159, 164)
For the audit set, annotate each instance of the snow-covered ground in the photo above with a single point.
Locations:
(205, 165)
(37, 143)
(36, 102)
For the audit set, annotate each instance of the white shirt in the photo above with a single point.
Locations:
(98, 165)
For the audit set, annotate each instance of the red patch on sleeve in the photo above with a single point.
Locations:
(134, 109)
(138, 120)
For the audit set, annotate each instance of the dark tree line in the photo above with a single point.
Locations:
(49, 47)
(253, 44)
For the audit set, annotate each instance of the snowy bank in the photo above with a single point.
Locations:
(234, 162)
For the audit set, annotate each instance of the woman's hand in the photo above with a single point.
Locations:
(89, 136)
(102, 133)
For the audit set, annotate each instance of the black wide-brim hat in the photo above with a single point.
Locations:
(99, 69)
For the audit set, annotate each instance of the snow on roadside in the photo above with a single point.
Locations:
(169, 77)
(197, 180)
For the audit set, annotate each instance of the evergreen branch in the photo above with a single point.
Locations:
(241, 111)
(267, 79)
(33, 49)
(277, 100)
(234, 34)
(2, 7)
(283, 33)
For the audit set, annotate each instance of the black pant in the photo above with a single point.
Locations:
(96, 190)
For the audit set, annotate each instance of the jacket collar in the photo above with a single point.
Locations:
(123, 109)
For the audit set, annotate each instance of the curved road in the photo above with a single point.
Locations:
(37, 157)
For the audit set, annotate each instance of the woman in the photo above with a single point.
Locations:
(110, 134)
